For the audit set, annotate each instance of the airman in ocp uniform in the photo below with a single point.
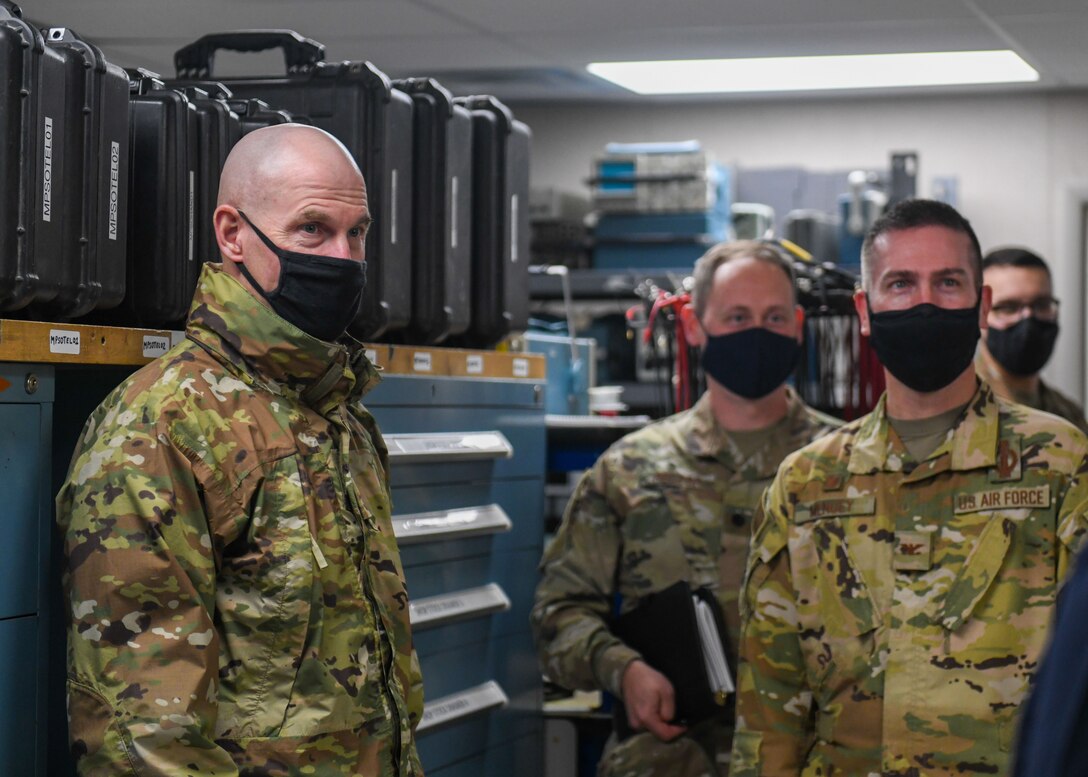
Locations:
(904, 569)
(674, 501)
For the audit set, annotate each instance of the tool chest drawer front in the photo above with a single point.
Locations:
(457, 618)
(455, 726)
(441, 578)
(19, 692)
(438, 452)
(21, 519)
(520, 501)
(523, 758)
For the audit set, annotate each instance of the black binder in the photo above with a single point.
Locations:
(664, 629)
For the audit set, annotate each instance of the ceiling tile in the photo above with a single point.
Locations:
(608, 15)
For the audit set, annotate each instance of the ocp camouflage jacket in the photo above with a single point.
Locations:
(894, 611)
(237, 598)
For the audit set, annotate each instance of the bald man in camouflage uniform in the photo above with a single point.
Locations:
(674, 502)
(900, 586)
(237, 602)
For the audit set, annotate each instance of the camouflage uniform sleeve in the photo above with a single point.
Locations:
(774, 703)
(574, 598)
(143, 652)
(1073, 515)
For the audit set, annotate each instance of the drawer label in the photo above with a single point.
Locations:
(521, 368)
(63, 341)
(474, 364)
(421, 361)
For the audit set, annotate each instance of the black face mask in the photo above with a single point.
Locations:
(925, 347)
(751, 363)
(1024, 347)
(318, 294)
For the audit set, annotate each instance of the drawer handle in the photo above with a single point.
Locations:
(448, 446)
(463, 704)
(433, 611)
(451, 524)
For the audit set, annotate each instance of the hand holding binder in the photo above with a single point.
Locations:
(679, 633)
(650, 701)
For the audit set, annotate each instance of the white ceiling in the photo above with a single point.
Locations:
(530, 51)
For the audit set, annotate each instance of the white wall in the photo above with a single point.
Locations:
(1015, 157)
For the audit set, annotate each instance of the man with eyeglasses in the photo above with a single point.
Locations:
(1023, 326)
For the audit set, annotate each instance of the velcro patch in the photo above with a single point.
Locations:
(1004, 499)
(913, 551)
(835, 508)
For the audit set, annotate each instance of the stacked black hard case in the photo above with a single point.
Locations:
(94, 213)
(357, 104)
(500, 221)
(32, 161)
(163, 265)
(442, 194)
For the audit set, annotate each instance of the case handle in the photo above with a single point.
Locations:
(299, 54)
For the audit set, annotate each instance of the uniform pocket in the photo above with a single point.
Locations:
(837, 616)
(97, 743)
(266, 586)
(979, 571)
(746, 747)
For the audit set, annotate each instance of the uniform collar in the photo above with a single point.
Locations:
(705, 438)
(230, 322)
(972, 443)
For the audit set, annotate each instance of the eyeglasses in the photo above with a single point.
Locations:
(1042, 308)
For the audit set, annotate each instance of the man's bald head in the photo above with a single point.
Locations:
(301, 188)
(265, 162)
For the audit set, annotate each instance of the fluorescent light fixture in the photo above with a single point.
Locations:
(782, 74)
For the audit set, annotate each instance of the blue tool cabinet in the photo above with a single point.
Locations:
(26, 407)
(467, 474)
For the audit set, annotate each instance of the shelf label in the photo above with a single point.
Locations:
(421, 361)
(521, 368)
(474, 365)
(372, 356)
(63, 341)
(155, 346)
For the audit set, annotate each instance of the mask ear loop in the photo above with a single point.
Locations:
(268, 295)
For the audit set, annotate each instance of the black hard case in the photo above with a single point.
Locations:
(31, 163)
(219, 128)
(500, 219)
(255, 114)
(356, 103)
(162, 258)
(96, 186)
(441, 210)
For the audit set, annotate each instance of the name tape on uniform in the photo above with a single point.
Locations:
(826, 508)
(1003, 499)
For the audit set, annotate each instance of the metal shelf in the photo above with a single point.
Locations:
(61, 343)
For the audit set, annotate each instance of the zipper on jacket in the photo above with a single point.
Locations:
(387, 654)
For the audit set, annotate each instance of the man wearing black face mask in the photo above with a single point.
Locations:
(673, 502)
(904, 568)
(238, 603)
(1023, 326)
